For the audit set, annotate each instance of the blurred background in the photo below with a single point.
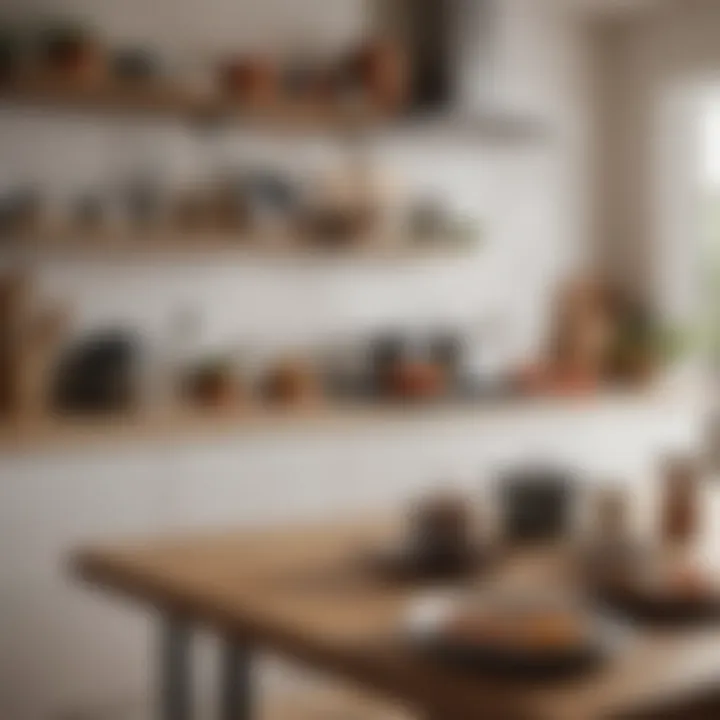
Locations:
(266, 260)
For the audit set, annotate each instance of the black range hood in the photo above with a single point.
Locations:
(452, 53)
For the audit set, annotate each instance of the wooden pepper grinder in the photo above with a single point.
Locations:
(37, 348)
(440, 531)
(612, 522)
(680, 509)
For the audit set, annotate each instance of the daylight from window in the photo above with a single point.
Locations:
(710, 208)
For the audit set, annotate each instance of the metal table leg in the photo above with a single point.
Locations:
(236, 691)
(175, 676)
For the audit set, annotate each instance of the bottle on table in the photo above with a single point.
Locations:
(680, 502)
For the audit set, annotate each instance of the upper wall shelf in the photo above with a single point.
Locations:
(155, 99)
(185, 425)
(240, 246)
(171, 102)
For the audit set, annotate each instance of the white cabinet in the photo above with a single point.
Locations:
(66, 648)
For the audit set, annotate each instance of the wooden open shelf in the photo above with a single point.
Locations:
(241, 246)
(156, 99)
(163, 100)
(183, 424)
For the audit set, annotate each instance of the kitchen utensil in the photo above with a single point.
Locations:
(536, 503)
(98, 373)
(680, 512)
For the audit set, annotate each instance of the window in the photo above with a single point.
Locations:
(709, 200)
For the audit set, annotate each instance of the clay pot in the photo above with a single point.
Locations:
(680, 501)
(252, 80)
(74, 56)
(558, 381)
(290, 381)
(416, 380)
(583, 328)
(440, 529)
(213, 387)
(338, 226)
(191, 212)
(382, 70)
(311, 82)
(229, 210)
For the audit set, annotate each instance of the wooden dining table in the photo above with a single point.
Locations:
(307, 594)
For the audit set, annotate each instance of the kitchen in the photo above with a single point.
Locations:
(62, 487)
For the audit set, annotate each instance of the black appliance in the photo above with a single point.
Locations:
(98, 374)
(441, 38)
(536, 503)
(441, 347)
(136, 65)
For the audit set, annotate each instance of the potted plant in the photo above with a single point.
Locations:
(72, 51)
(213, 383)
(135, 65)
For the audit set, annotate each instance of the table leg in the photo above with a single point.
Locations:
(236, 691)
(175, 676)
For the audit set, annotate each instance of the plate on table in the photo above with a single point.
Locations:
(514, 633)
(665, 592)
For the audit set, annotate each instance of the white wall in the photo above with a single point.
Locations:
(64, 649)
(529, 199)
(653, 71)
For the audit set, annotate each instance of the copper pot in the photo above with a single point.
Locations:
(291, 382)
(213, 388)
(680, 510)
(253, 80)
(382, 69)
(77, 60)
(416, 380)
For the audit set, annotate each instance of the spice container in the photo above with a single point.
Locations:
(214, 384)
(291, 381)
(254, 80)
(72, 52)
(38, 347)
(680, 508)
(612, 554)
(611, 517)
(440, 531)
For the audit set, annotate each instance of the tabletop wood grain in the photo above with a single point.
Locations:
(303, 593)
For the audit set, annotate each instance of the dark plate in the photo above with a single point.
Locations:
(495, 660)
(661, 609)
(622, 582)
(604, 638)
